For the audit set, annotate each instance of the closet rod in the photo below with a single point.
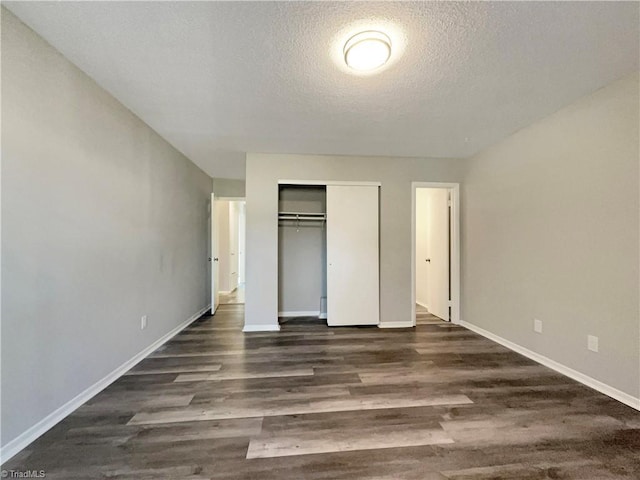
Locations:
(306, 214)
(301, 217)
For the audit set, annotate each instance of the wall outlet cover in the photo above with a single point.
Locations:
(592, 343)
(143, 322)
(537, 325)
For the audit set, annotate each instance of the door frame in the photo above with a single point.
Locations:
(454, 235)
(329, 182)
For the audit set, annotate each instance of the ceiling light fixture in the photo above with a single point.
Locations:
(367, 50)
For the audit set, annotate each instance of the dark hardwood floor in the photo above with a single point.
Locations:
(309, 402)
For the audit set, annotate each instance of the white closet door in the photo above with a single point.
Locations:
(352, 255)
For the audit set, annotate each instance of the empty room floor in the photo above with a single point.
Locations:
(309, 402)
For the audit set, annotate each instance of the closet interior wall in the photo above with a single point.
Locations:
(302, 275)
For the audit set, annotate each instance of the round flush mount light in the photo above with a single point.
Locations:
(367, 50)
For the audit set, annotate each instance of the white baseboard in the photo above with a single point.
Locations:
(558, 367)
(395, 325)
(322, 316)
(31, 434)
(261, 328)
(224, 292)
(422, 304)
(308, 313)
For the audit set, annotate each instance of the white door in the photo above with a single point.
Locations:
(352, 255)
(438, 248)
(422, 246)
(241, 241)
(215, 299)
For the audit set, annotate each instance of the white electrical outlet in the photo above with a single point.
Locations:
(592, 343)
(143, 322)
(537, 325)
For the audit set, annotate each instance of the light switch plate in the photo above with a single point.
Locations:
(537, 325)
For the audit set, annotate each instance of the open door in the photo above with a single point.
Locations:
(213, 258)
(438, 248)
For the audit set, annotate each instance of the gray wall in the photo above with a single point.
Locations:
(228, 188)
(550, 231)
(102, 222)
(396, 175)
(302, 275)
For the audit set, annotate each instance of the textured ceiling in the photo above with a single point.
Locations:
(223, 78)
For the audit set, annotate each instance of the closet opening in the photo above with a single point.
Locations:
(302, 254)
(328, 253)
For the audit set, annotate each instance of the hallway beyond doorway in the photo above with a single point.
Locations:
(234, 297)
(435, 254)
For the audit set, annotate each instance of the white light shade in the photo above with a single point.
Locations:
(367, 50)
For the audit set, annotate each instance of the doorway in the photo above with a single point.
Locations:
(230, 222)
(435, 252)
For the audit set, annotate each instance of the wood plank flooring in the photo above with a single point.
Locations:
(309, 402)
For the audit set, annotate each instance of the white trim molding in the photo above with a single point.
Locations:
(601, 387)
(24, 439)
(310, 313)
(261, 328)
(396, 325)
(329, 182)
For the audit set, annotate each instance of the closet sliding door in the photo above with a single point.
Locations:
(352, 255)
